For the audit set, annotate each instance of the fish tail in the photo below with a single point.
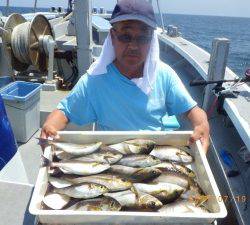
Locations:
(44, 142)
(45, 162)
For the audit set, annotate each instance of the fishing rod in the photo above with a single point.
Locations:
(246, 79)
(223, 92)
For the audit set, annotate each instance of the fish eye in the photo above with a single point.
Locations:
(152, 204)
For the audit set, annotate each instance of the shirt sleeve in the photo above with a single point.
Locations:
(178, 99)
(77, 106)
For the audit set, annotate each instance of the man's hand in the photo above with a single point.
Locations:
(200, 124)
(49, 131)
(201, 132)
(55, 121)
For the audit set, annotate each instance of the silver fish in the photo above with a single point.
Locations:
(139, 161)
(55, 200)
(85, 190)
(182, 206)
(171, 153)
(112, 182)
(59, 183)
(165, 192)
(102, 156)
(97, 204)
(136, 146)
(77, 167)
(132, 199)
(168, 166)
(136, 174)
(173, 178)
(71, 148)
(125, 198)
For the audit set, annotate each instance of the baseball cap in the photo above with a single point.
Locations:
(140, 10)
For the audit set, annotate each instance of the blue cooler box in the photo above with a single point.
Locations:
(22, 103)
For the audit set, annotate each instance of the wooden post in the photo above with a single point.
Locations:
(217, 67)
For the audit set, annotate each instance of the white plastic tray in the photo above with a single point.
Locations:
(200, 166)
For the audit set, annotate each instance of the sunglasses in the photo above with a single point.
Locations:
(127, 38)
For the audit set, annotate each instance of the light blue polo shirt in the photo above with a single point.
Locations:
(115, 103)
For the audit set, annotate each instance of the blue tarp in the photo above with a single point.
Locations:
(8, 146)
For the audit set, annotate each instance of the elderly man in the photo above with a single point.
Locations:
(128, 87)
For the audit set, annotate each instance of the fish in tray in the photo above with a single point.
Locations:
(135, 146)
(112, 182)
(173, 154)
(173, 178)
(182, 206)
(59, 182)
(131, 199)
(77, 167)
(83, 190)
(136, 174)
(165, 192)
(97, 204)
(170, 166)
(56, 200)
(101, 156)
(192, 188)
(139, 161)
(71, 148)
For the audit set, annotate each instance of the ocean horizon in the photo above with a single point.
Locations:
(201, 30)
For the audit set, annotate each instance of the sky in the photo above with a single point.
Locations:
(238, 8)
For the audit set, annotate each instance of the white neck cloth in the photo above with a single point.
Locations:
(107, 56)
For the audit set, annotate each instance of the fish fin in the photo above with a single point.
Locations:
(133, 189)
(174, 166)
(180, 154)
(106, 158)
(45, 162)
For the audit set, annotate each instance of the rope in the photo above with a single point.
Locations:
(162, 23)
(20, 42)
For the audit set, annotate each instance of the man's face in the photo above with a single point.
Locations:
(131, 40)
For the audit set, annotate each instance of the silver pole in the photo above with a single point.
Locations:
(83, 26)
(35, 5)
(162, 23)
